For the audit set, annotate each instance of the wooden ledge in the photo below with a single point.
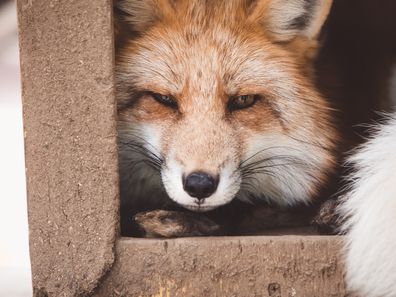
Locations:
(275, 266)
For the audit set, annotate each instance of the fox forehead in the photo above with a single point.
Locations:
(195, 59)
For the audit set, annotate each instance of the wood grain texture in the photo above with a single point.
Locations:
(256, 266)
(70, 140)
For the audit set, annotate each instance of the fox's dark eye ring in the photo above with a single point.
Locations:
(166, 100)
(242, 102)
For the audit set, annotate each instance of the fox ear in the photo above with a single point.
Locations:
(287, 19)
(135, 16)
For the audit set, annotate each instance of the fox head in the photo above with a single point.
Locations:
(217, 97)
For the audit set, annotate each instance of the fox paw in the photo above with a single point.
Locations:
(169, 224)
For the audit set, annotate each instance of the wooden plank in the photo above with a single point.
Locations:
(256, 266)
(70, 139)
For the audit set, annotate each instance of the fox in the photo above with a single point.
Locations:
(216, 103)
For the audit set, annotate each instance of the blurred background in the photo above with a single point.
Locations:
(15, 279)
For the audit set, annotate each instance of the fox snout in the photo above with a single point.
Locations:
(200, 190)
(201, 162)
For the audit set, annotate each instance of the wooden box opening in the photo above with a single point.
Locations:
(67, 63)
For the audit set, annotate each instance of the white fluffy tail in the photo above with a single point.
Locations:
(370, 210)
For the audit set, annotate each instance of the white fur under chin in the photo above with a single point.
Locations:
(371, 212)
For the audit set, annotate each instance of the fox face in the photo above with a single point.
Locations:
(215, 101)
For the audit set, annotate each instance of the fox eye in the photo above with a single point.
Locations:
(165, 100)
(241, 102)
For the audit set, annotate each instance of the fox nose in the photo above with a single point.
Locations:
(200, 185)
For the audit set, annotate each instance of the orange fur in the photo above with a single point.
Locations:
(202, 53)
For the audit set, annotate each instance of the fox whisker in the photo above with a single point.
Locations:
(140, 146)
